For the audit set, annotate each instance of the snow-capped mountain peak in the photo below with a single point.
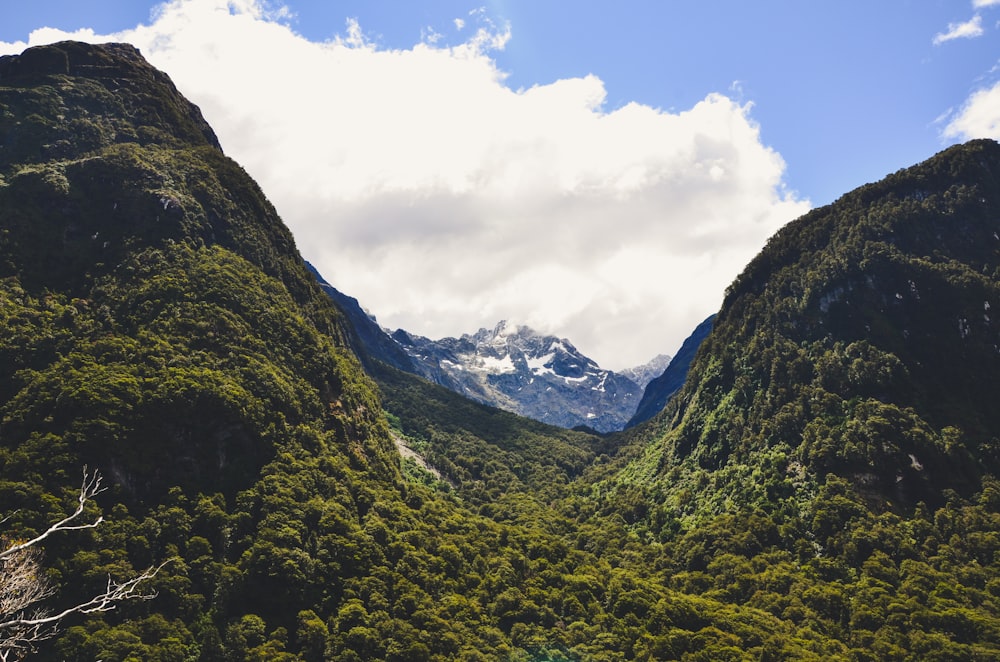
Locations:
(516, 368)
(510, 366)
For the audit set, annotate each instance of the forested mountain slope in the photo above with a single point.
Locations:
(861, 342)
(482, 451)
(158, 324)
(838, 427)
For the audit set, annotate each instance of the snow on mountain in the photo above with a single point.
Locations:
(646, 373)
(511, 367)
(516, 368)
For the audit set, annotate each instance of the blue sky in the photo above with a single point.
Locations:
(654, 145)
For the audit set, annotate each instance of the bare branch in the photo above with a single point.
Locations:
(19, 644)
(20, 633)
(106, 601)
(90, 488)
(23, 583)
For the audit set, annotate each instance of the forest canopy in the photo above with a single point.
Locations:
(823, 486)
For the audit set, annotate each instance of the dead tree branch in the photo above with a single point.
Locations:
(90, 488)
(23, 584)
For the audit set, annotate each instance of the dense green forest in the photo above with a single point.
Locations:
(822, 487)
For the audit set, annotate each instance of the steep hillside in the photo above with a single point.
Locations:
(661, 388)
(861, 342)
(831, 458)
(481, 451)
(137, 257)
(157, 324)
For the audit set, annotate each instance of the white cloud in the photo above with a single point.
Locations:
(979, 4)
(968, 30)
(430, 35)
(416, 181)
(978, 118)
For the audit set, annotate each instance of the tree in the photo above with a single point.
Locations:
(23, 584)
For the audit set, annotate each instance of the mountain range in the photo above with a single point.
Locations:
(823, 486)
(511, 367)
(534, 375)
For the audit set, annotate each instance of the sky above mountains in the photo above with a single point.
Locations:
(601, 173)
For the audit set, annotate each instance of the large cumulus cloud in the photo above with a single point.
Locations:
(979, 116)
(418, 182)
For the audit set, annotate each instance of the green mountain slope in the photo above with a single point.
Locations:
(861, 343)
(838, 426)
(482, 451)
(157, 323)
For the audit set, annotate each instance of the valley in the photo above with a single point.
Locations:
(819, 482)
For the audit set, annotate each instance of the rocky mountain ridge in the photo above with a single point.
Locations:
(535, 375)
(644, 374)
(510, 366)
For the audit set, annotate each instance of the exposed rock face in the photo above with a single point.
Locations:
(646, 373)
(539, 376)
